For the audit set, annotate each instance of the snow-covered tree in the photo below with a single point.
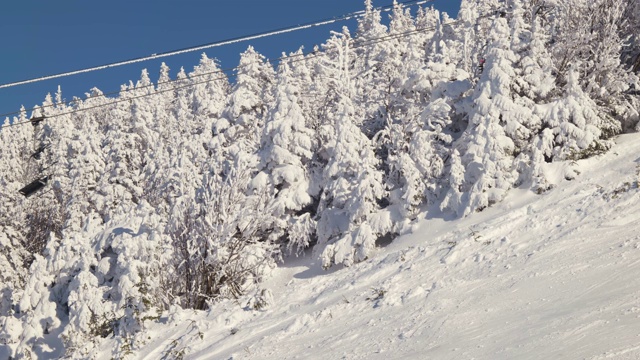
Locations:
(373, 67)
(248, 101)
(13, 253)
(219, 251)
(210, 89)
(119, 185)
(352, 186)
(494, 124)
(455, 198)
(529, 41)
(577, 125)
(286, 151)
(589, 34)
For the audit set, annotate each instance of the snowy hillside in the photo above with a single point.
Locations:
(551, 276)
(287, 198)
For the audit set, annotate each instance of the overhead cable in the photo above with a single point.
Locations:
(303, 57)
(284, 30)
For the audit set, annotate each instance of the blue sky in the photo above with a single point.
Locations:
(43, 37)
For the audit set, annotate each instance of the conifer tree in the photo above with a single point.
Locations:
(210, 90)
(493, 126)
(13, 255)
(373, 67)
(574, 119)
(455, 198)
(286, 151)
(352, 183)
(535, 80)
(118, 185)
(249, 99)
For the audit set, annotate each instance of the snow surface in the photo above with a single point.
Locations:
(552, 276)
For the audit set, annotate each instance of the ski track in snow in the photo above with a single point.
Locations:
(552, 276)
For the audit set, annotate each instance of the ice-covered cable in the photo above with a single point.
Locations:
(211, 45)
(302, 57)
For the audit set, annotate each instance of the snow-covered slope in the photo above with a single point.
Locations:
(536, 277)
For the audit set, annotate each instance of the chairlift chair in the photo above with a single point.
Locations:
(38, 153)
(36, 120)
(34, 186)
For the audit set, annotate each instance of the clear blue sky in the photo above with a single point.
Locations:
(43, 37)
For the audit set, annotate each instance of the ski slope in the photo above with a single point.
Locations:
(551, 276)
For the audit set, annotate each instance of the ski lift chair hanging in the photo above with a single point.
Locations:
(36, 120)
(34, 186)
(38, 153)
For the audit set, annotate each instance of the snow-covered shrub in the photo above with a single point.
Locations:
(219, 248)
(95, 283)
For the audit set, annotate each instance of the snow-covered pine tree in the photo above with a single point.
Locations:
(401, 24)
(77, 140)
(471, 35)
(373, 66)
(417, 145)
(210, 90)
(398, 62)
(169, 131)
(184, 123)
(16, 170)
(455, 198)
(163, 113)
(466, 36)
(631, 50)
(210, 94)
(286, 150)
(415, 139)
(14, 142)
(174, 173)
(441, 77)
(543, 144)
(143, 126)
(578, 129)
(493, 124)
(118, 185)
(182, 182)
(248, 102)
(529, 40)
(347, 225)
(415, 55)
(91, 284)
(302, 77)
(36, 310)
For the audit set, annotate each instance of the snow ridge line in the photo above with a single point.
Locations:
(350, 16)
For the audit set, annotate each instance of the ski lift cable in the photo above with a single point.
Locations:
(307, 56)
(225, 42)
(303, 57)
(283, 30)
